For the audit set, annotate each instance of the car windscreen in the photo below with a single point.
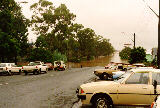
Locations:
(37, 64)
(122, 77)
(13, 65)
(31, 64)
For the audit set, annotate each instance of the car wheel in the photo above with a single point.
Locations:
(46, 70)
(25, 72)
(105, 76)
(101, 102)
(9, 73)
(20, 72)
(40, 71)
(101, 77)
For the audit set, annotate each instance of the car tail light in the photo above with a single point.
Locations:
(6, 68)
(82, 91)
(152, 104)
(22, 67)
(36, 67)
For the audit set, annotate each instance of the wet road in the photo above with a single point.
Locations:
(56, 89)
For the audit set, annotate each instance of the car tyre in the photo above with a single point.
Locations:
(40, 71)
(101, 77)
(10, 73)
(26, 73)
(105, 76)
(20, 71)
(101, 102)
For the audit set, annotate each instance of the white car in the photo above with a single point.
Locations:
(5, 68)
(15, 69)
(41, 66)
(10, 68)
(35, 67)
(59, 65)
(136, 87)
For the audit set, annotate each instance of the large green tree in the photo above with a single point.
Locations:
(125, 53)
(13, 31)
(137, 55)
(86, 41)
(58, 32)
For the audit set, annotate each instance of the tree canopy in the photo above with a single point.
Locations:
(59, 36)
(137, 55)
(58, 31)
(125, 53)
(13, 31)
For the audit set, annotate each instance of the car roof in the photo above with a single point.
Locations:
(145, 70)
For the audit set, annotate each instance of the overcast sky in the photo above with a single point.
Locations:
(116, 20)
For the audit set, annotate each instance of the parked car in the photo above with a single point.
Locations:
(5, 68)
(59, 65)
(15, 69)
(104, 74)
(31, 68)
(49, 66)
(111, 65)
(10, 68)
(41, 66)
(138, 64)
(136, 87)
(34, 67)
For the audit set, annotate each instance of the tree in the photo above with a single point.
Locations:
(13, 30)
(53, 23)
(137, 55)
(40, 54)
(58, 32)
(86, 42)
(125, 53)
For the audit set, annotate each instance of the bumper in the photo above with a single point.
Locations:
(82, 97)
(96, 73)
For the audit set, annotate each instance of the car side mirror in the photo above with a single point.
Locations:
(155, 86)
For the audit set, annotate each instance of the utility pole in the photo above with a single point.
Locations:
(158, 53)
(134, 40)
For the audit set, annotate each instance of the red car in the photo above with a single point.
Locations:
(49, 66)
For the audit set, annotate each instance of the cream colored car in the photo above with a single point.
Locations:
(133, 88)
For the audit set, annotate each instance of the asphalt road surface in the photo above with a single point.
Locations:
(56, 89)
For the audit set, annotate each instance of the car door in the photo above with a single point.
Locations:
(135, 90)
